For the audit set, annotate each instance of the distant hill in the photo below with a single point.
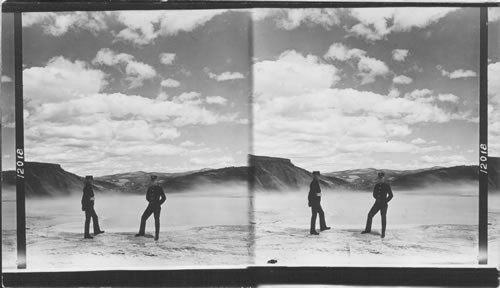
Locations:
(51, 180)
(440, 176)
(364, 179)
(265, 173)
(138, 182)
(47, 179)
(222, 176)
(271, 173)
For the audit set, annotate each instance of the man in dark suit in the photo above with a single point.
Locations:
(88, 207)
(382, 193)
(314, 198)
(156, 197)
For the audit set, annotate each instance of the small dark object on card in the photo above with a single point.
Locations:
(272, 261)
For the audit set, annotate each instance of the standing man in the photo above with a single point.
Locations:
(156, 197)
(382, 193)
(88, 207)
(314, 198)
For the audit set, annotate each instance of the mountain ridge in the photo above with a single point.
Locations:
(265, 173)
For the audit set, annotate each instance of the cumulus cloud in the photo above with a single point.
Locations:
(460, 73)
(338, 51)
(188, 97)
(180, 110)
(300, 113)
(399, 54)
(376, 23)
(290, 19)
(293, 73)
(394, 92)
(423, 94)
(206, 162)
(57, 24)
(143, 27)
(167, 58)
(368, 68)
(216, 100)
(428, 96)
(61, 79)
(138, 27)
(108, 126)
(170, 83)
(444, 161)
(187, 143)
(69, 119)
(162, 96)
(418, 141)
(448, 98)
(136, 72)
(402, 79)
(225, 76)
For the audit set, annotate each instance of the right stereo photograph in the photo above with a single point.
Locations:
(366, 129)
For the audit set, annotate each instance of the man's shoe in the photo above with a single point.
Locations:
(314, 233)
(366, 232)
(325, 228)
(382, 236)
(88, 237)
(156, 238)
(98, 232)
(139, 235)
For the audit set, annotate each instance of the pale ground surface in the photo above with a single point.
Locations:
(196, 229)
(424, 228)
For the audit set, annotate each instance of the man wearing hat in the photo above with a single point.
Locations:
(314, 198)
(382, 193)
(88, 207)
(156, 197)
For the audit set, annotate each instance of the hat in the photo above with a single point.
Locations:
(315, 173)
(89, 177)
(381, 174)
(154, 177)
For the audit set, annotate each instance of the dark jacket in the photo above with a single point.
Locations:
(155, 195)
(88, 197)
(382, 192)
(314, 196)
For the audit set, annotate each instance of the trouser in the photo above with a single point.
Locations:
(90, 213)
(151, 209)
(383, 212)
(315, 210)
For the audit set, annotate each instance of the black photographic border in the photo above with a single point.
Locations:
(251, 275)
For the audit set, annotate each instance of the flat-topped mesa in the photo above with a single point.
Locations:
(50, 180)
(42, 165)
(256, 158)
(273, 173)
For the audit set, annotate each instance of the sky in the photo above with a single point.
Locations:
(334, 89)
(111, 92)
(394, 88)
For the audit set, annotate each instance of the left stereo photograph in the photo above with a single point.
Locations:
(136, 139)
